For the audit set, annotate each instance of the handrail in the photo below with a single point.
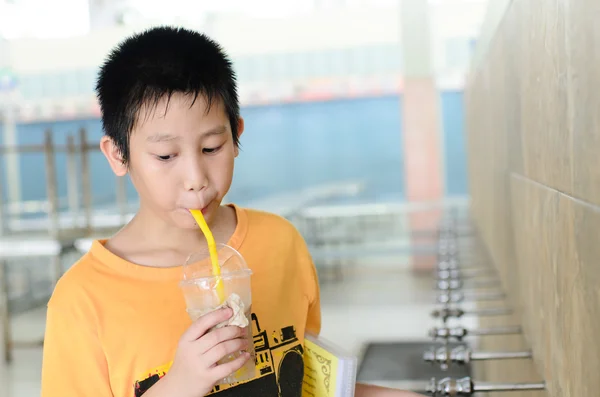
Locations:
(53, 204)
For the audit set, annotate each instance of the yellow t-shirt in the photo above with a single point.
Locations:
(113, 326)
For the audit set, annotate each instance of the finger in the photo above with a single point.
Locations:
(217, 336)
(223, 370)
(223, 350)
(206, 322)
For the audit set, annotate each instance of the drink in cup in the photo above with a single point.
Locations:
(204, 292)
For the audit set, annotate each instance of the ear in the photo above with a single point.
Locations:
(240, 131)
(113, 155)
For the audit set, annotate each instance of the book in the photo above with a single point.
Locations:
(329, 371)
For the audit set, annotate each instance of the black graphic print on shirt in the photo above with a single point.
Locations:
(279, 367)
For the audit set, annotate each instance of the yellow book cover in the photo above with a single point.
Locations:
(328, 370)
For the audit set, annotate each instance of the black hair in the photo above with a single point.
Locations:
(154, 64)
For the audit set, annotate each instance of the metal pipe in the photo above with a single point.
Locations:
(458, 333)
(72, 184)
(454, 263)
(121, 195)
(51, 185)
(510, 330)
(466, 387)
(467, 273)
(492, 311)
(468, 296)
(57, 266)
(453, 284)
(490, 387)
(449, 285)
(483, 296)
(479, 356)
(4, 312)
(11, 157)
(3, 218)
(462, 356)
(483, 283)
(86, 187)
(447, 313)
(449, 264)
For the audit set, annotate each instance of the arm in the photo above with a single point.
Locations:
(313, 320)
(73, 363)
(310, 280)
(363, 390)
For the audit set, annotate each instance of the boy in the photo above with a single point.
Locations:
(116, 323)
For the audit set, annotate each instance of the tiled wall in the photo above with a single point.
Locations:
(534, 162)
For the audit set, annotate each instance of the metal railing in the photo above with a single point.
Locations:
(370, 234)
(77, 169)
(28, 274)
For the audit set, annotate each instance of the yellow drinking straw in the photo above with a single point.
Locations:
(212, 250)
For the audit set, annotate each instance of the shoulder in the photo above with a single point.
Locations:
(273, 226)
(273, 235)
(73, 288)
(273, 242)
(269, 219)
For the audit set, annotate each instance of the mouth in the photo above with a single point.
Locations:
(203, 210)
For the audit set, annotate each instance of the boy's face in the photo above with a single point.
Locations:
(181, 157)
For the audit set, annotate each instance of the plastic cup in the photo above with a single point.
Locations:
(201, 297)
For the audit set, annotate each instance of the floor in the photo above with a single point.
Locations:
(366, 307)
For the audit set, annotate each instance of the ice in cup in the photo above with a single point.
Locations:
(201, 297)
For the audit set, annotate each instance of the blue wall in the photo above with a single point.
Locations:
(287, 147)
(292, 146)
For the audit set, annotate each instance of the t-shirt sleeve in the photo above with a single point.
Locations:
(313, 320)
(73, 363)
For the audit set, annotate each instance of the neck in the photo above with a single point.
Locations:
(158, 233)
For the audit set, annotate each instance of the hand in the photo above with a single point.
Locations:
(195, 371)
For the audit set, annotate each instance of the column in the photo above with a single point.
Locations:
(7, 112)
(421, 122)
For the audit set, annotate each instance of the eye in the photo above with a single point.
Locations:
(211, 150)
(166, 157)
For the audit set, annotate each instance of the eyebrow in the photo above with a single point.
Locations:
(159, 137)
(221, 129)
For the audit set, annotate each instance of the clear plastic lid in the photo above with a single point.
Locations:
(198, 265)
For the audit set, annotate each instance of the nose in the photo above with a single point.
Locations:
(195, 178)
